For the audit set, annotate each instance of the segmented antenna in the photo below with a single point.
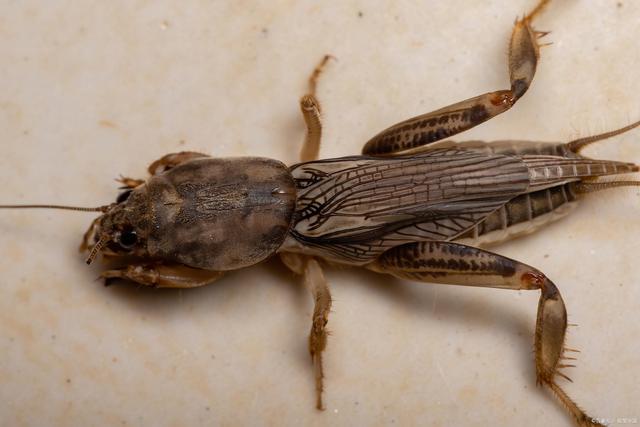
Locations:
(98, 246)
(68, 208)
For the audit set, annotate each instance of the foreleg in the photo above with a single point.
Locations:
(172, 160)
(163, 164)
(163, 275)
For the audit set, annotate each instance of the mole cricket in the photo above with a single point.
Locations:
(414, 205)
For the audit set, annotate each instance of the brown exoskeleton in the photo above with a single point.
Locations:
(407, 207)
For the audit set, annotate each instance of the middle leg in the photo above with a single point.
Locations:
(314, 280)
(310, 108)
(304, 265)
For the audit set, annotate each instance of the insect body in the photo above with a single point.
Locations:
(412, 206)
(415, 217)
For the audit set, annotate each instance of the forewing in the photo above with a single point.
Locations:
(354, 208)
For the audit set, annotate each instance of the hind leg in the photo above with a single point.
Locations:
(456, 264)
(422, 130)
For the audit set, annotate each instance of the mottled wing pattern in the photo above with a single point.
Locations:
(354, 208)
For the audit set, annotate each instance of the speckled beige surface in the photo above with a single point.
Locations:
(93, 89)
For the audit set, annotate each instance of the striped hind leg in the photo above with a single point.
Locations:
(456, 264)
(415, 133)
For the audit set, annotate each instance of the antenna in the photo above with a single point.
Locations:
(68, 208)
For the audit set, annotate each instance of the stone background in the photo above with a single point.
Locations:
(93, 89)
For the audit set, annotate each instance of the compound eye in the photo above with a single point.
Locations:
(127, 239)
(122, 197)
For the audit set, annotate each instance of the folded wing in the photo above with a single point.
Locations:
(354, 208)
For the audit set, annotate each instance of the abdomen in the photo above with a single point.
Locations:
(521, 215)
